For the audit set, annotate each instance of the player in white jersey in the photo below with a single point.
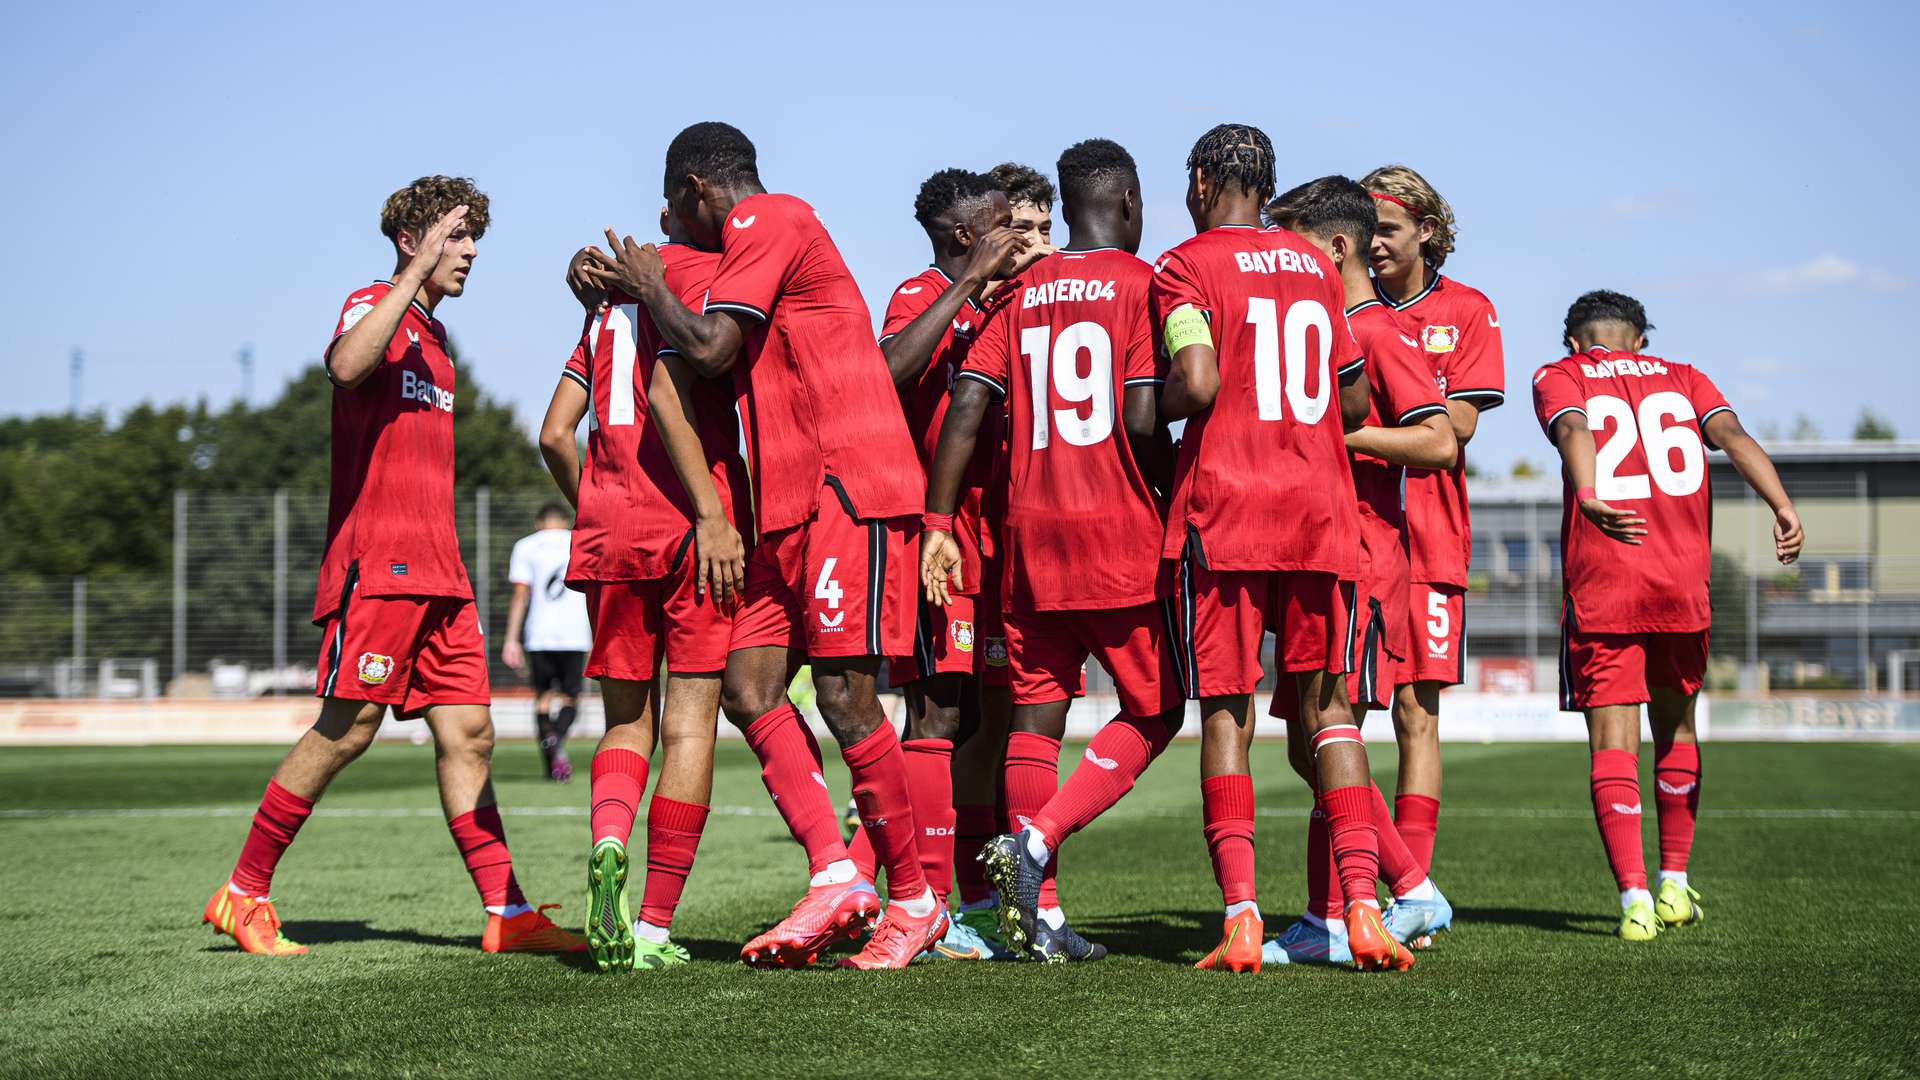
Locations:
(547, 634)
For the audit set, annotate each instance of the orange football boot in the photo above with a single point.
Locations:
(899, 938)
(1239, 948)
(529, 931)
(825, 915)
(251, 921)
(1373, 948)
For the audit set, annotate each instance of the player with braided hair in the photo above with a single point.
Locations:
(1263, 527)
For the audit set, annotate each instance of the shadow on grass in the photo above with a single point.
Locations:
(1174, 937)
(329, 932)
(1563, 922)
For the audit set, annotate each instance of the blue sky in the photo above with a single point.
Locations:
(181, 180)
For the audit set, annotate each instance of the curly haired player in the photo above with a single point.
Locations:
(393, 596)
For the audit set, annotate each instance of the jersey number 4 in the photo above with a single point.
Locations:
(1056, 362)
(1663, 441)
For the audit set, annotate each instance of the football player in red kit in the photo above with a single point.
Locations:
(1262, 529)
(393, 596)
(656, 551)
(1070, 347)
(930, 322)
(1632, 431)
(1406, 425)
(837, 493)
(1459, 334)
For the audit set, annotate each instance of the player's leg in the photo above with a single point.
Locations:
(1605, 677)
(677, 814)
(617, 780)
(242, 908)
(1227, 809)
(1045, 666)
(1676, 669)
(564, 706)
(1416, 799)
(448, 687)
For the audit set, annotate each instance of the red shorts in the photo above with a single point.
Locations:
(1222, 616)
(946, 641)
(1048, 651)
(833, 585)
(990, 630)
(1618, 669)
(1437, 625)
(635, 622)
(410, 652)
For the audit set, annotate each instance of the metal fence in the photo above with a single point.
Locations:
(230, 617)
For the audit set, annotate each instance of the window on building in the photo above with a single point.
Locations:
(1519, 554)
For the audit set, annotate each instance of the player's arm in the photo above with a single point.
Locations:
(1425, 444)
(355, 354)
(1147, 436)
(709, 343)
(1355, 394)
(723, 559)
(1723, 430)
(909, 351)
(511, 651)
(1464, 418)
(1193, 378)
(558, 447)
(959, 433)
(1574, 440)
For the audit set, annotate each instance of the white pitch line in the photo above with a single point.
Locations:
(1549, 813)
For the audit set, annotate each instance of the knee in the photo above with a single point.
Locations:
(1415, 724)
(935, 722)
(744, 704)
(1300, 752)
(471, 739)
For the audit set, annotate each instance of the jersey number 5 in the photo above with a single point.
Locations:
(1061, 357)
(1269, 360)
(1662, 441)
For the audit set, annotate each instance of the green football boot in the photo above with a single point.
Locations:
(1676, 904)
(1639, 923)
(609, 923)
(657, 954)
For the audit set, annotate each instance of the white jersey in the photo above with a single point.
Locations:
(556, 615)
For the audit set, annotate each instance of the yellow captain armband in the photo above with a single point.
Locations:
(1186, 326)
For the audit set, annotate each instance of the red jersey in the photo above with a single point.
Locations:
(1081, 526)
(1402, 392)
(924, 402)
(635, 521)
(1649, 419)
(1262, 477)
(1460, 334)
(390, 525)
(815, 398)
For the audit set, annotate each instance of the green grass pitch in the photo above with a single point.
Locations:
(1806, 965)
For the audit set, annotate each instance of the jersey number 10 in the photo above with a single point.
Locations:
(1268, 337)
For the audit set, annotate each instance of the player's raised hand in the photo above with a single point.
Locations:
(723, 559)
(1029, 255)
(939, 566)
(586, 289)
(1788, 536)
(993, 258)
(428, 250)
(1626, 526)
(633, 268)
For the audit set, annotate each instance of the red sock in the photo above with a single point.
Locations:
(1356, 843)
(673, 834)
(973, 825)
(1227, 808)
(1676, 794)
(1417, 817)
(886, 810)
(1397, 863)
(1616, 807)
(1032, 777)
(482, 840)
(930, 783)
(860, 849)
(1115, 758)
(1323, 897)
(280, 816)
(790, 767)
(613, 792)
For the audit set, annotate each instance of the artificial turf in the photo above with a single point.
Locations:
(1806, 964)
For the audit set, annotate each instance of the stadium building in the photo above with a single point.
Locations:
(1845, 617)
